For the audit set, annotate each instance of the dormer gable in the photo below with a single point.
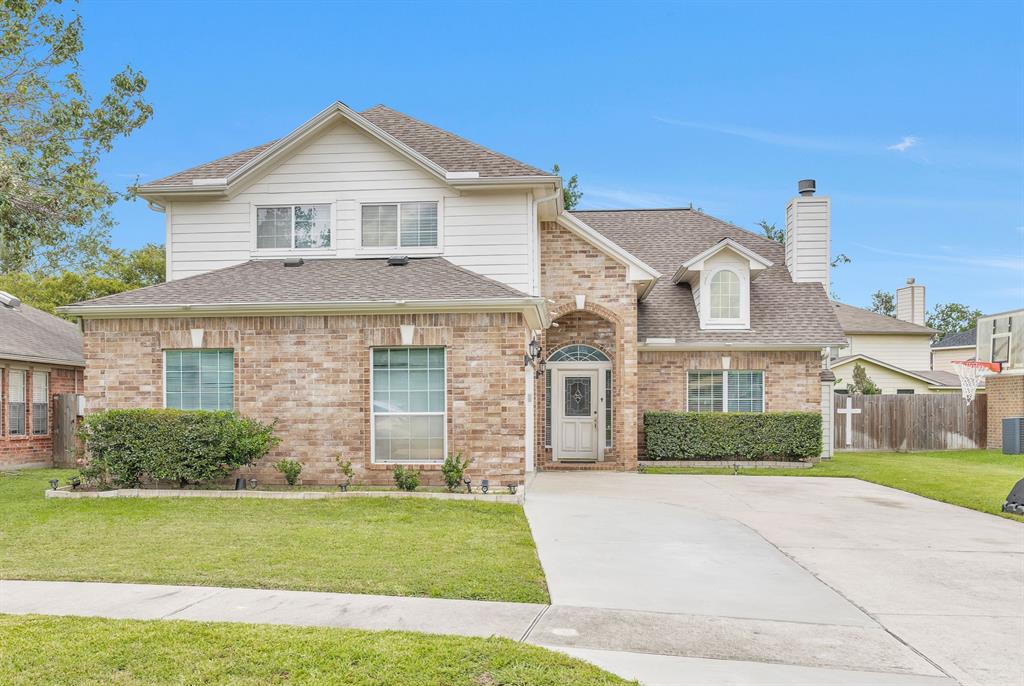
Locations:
(719, 279)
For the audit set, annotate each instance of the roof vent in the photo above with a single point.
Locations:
(293, 261)
(806, 187)
(8, 300)
(398, 261)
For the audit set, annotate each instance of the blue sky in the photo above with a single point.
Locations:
(909, 115)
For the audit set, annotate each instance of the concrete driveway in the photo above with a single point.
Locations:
(776, 580)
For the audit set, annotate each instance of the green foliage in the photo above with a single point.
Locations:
(721, 435)
(571, 193)
(53, 134)
(113, 271)
(862, 384)
(290, 469)
(344, 466)
(406, 479)
(952, 318)
(883, 302)
(129, 447)
(453, 469)
(778, 235)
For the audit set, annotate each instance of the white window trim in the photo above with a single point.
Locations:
(32, 414)
(329, 251)
(725, 388)
(374, 413)
(234, 375)
(709, 322)
(25, 400)
(387, 251)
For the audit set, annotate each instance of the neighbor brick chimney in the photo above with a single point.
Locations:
(910, 302)
(808, 224)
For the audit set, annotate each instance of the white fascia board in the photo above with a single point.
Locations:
(696, 263)
(534, 309)
(953, 347)
(638, 270)
(651, 346)
(40, 359)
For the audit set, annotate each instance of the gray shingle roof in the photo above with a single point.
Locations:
(781, 312)
(30, 334)
(858, 320)
(324, 280)
(443, 148)
(961, 339)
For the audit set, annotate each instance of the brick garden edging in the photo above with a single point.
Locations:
(518, 498)
(728, 464)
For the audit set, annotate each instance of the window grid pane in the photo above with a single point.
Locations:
(199, 379)
(608, 408)
(704, 391)
(40, 403)
(380, 226)
(746, 392)
(273, 227)
(16, 402)
(409, 404)
(578, 353)
(419, 224)
(547, 408)
(725, 295)
(312, 226)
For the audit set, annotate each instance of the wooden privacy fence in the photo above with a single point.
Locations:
(940, 421)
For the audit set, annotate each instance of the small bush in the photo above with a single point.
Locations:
(406, 479)
(127, 447)
(345, 467)
(717, 435)
(290, 469)
(453, 469)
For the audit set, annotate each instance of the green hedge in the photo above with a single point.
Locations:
(718, 435)
(128, 447)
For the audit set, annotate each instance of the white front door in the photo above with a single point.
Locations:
(577, 414)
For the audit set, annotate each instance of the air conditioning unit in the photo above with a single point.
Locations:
(1013, 435)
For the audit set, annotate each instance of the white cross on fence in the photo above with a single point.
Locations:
(849, 411)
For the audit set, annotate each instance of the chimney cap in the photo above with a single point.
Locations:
(806, 187)
(910, 281)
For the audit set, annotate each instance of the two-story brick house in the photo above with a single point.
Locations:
(392, 292)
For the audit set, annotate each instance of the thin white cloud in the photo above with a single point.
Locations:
(983, 262)
(771, 137)
(602, 197)
(905, 144)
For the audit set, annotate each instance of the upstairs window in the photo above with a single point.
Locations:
(725, 295)
(400, 225)
(293, 227)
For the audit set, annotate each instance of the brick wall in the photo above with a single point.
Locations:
(1005, 399)
(312, 373)
(570, 266)
(30, 450)
(791, 378)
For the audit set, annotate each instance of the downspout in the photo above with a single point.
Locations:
(157, 207)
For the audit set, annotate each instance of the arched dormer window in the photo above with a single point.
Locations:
(725, 295)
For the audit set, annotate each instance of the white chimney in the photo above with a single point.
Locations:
(910, 302)
(808, 224)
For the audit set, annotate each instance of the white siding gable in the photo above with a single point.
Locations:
(486, 232)
(911, 352)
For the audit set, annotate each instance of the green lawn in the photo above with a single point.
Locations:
(80, 651)
(978, 479)
(416, 547)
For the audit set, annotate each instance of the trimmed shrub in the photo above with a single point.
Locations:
(290, 469)
(453, 469)
(744, 435)
(406, 479)
(127, 447)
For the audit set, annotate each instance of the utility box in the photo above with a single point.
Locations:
(1013, 435)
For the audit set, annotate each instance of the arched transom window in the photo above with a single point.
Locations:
(725, 295)
(578, 353)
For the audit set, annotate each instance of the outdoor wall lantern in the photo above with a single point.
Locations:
(469, 485)
(512, 488)
(485, 484)
(532, 352)
(54, 483)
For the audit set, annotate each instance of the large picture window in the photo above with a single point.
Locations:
(725, 391)
(199, 379)
(293, 227)
(400, 225)
(409, 405)
(40, 403)
(16, 402)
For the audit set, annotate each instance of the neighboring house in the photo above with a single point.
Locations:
(953, 348)
(1000, 339)
(392, 292)
(40, 357)
(894, 351)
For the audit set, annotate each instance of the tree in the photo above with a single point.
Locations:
(862, 385)
(883, 302)
(119, 272)
(52, 135)
(952, 318)
(771, 232)
(571, 193)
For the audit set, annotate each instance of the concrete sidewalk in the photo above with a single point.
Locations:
(655, 648)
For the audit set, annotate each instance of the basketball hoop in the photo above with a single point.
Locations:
(970, 373)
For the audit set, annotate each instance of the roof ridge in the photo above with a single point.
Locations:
(454, 135)
(214, 161)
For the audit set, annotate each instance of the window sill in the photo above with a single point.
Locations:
(725, 326)
(380, 253)
(384, 466)
(294, 252)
